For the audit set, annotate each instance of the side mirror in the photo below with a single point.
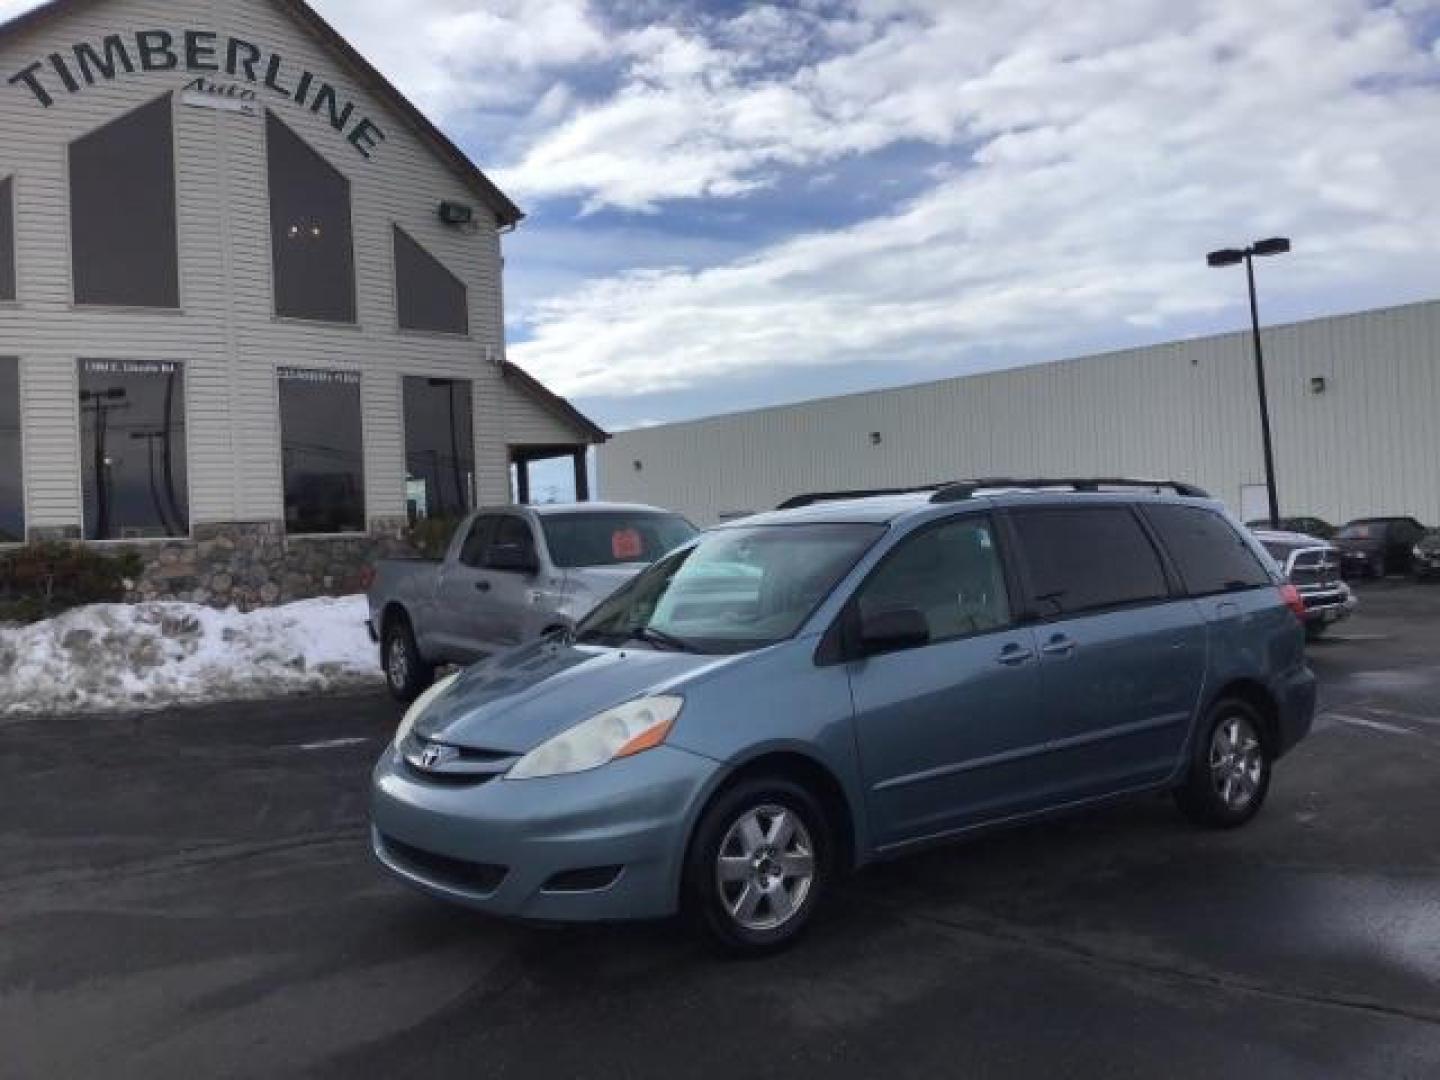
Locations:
(512, 558)
(892, 630)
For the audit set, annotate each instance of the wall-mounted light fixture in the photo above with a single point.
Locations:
(639, 466)
(876, 438)
(1318, 384)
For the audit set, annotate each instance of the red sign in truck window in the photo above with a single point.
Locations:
(626, 545)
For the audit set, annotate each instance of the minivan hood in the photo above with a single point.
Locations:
(515, 701)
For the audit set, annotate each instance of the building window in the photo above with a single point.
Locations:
(322, 451)
(122, 211)
(428, 296)
(309, 230)
(12, 494)
(132, 425)
(7, 238)
(439, 448)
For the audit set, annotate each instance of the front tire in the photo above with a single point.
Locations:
(759, 865)
(407, 675)
(1230, 767)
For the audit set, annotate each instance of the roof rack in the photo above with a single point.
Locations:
(961, 490)
(811, 498)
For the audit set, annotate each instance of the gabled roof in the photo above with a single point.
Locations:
(553, 403)
(505, 211)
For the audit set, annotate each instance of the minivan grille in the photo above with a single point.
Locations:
(442, 763)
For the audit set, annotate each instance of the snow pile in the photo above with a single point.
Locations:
(126, 656)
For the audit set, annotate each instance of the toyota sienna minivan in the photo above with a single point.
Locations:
(792, 696)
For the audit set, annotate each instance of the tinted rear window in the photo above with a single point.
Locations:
(601, 539)
(1088, 557)
(1210, 555)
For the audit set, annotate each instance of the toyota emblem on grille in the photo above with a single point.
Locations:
(433, 756)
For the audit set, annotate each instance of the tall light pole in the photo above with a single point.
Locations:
(1276, 245)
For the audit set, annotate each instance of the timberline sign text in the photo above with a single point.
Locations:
(197, 51)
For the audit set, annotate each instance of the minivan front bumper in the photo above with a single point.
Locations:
(606, 844)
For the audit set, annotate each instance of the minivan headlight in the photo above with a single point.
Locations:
(423, 702)
(620, 732)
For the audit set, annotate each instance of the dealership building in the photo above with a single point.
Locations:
(250, 301)
(1354, 405)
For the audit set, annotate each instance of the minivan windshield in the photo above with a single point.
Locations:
(612, 538)
(734, 590)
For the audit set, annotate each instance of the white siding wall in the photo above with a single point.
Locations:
(227, 334)
(1369, 444)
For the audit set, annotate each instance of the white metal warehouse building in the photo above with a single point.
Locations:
(1354, 402)
(249, 297)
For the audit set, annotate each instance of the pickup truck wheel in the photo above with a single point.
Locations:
(406, 673)
(1229, 773)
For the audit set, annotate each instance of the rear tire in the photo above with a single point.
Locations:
(1230, 767)
(407, 675)
(1315, 631)
(759, 865)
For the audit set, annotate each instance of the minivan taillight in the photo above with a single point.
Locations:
(1291, 595)
(367, 577)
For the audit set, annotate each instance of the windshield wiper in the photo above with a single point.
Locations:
(652, 636)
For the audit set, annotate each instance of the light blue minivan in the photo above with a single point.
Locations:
(792, 696)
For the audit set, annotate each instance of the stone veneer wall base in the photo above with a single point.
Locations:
(254, 564)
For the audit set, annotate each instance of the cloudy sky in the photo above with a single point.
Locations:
(734, 204)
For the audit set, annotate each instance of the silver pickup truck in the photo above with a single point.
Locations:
(511, 574)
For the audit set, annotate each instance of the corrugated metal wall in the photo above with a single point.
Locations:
(226, 333)
(1370, 443)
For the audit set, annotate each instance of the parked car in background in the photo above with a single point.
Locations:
(1306, 526)
(511, 574)
(1375, 547)
(1313, 566)
(796, 695)
(1426, 555)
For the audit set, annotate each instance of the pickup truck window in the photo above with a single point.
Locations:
(512, 532)
(477, 543)
(613, 539)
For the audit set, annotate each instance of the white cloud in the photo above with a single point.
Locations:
(450, 56)
(1106, 157)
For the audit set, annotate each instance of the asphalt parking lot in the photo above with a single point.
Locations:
(190, 894)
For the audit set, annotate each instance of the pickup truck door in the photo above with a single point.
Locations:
(509, 609)
(463, 611)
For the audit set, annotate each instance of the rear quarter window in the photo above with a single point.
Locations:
(1210, 555)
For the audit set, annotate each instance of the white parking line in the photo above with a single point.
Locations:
(331, 744)
(1374, 725)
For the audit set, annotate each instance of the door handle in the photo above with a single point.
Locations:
(1059, 645)
(1013, 655)
(482, 586)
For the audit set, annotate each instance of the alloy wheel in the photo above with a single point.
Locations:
(1237, 761)
(765, 868)
(397, 664)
